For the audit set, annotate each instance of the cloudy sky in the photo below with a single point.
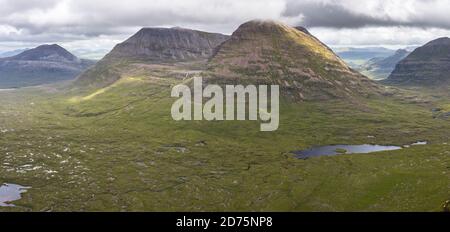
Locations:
(92, 27)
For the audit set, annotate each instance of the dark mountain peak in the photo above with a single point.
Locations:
(444, 41)
(438, 49)
(428, 65)
(155, 31)
(167, 44)
(164, 46)
(47, 52)
(41, 65)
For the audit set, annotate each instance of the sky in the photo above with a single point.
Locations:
(90, 28)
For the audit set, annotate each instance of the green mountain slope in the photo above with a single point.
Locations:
(118, 149)
(273, 53)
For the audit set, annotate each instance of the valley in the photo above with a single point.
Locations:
(121, 151)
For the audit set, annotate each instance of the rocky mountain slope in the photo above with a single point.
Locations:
(381, 67)
(267, 52)
(428, 65)
(41, 65)
(163, 46)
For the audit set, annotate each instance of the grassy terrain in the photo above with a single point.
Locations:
(117, 149)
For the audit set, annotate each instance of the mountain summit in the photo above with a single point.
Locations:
(52, 52)
(270, 52)
(41, 65)
(425, 66)
(152, 46)
(168, 44)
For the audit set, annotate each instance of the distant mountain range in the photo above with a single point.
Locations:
(356, 57)
(41, 65)
(428, 65)
(380, 68)
(364, 53)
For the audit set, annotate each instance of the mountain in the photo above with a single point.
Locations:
(12, 53)
(152, 46)
(41, 65)
(381, 67)
(358, 56)
(268, 52)
(168, 44)
(428, 65)
(363, 52)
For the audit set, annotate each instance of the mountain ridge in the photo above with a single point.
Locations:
(428, 65)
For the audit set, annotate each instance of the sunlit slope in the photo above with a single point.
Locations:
(269, 52)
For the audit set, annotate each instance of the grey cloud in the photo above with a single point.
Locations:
(340, 14)
(66, 21)
(331, 15)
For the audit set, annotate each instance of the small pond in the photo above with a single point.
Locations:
(11, 192)
(349, 149)
(342, 149)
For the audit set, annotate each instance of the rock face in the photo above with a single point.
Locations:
(153, 46)
(168, 44)
(381, 67)
(267, 52)
(428, 65)
(42, 65)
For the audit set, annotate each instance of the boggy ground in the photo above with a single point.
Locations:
(118, 149)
